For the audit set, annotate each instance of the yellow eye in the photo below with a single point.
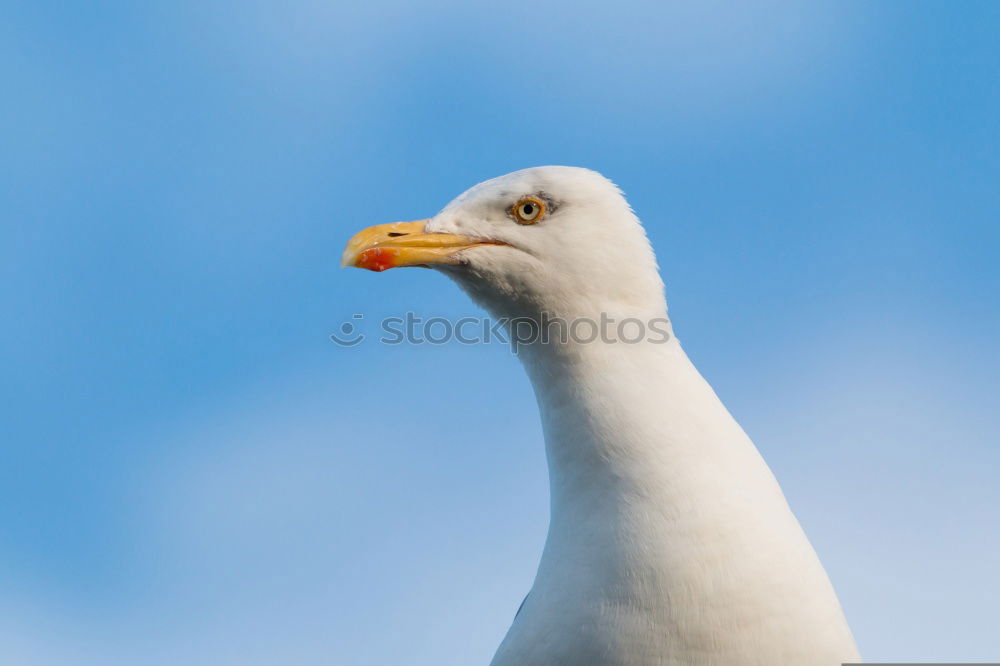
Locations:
(529, 210)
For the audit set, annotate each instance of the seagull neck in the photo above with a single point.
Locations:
(664, 515)
(636, 424)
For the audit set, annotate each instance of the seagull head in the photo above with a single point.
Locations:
(558, 240)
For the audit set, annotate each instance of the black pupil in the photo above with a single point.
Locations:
(528, 209)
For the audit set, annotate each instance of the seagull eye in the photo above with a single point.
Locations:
(528, 210)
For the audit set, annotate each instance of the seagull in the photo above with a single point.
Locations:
(670, 542)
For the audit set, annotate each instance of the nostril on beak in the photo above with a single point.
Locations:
(396, 234)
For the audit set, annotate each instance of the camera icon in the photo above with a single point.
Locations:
(349, 336)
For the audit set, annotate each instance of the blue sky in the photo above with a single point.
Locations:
(191, 472)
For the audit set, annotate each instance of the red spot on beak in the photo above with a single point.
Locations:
(377, 259)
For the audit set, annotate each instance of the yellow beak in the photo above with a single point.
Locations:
(405, 244)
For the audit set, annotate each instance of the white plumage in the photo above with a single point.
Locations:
(670, 542)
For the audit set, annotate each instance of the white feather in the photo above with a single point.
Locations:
(670, 542)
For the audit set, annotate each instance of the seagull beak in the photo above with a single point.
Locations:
(405, 244)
